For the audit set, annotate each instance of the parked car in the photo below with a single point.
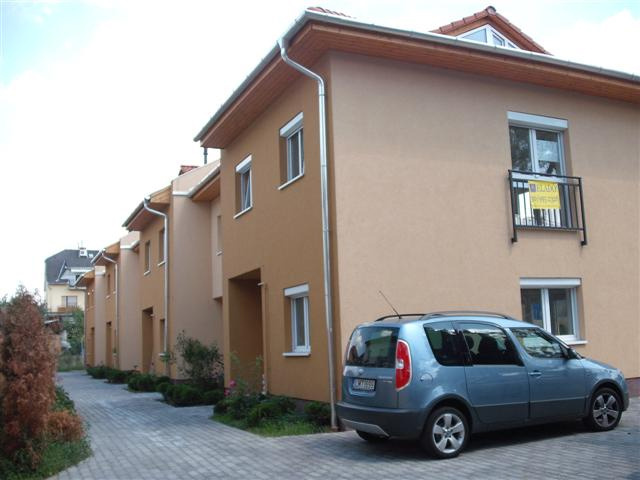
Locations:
(442, 376)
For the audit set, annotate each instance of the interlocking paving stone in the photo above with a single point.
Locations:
(135, 436)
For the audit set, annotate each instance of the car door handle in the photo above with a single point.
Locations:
(535, 373)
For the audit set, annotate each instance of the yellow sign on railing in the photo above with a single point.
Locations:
(544, 195)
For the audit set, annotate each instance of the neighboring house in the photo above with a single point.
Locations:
(189, 292)
(62, 296)
(467, 169)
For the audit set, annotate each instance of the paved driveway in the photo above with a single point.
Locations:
(135, 436)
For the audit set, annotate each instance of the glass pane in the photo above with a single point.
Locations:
(532, 306)
(489, 345)
(373, 347)
(245, 189)
(443, 342)
(498, 40)
(297, 306)
(479, 36)
(560, 311)
(293, 156)
(520, 148)
(548, 152)
(537, 344)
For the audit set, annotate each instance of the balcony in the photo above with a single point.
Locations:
(546, 202)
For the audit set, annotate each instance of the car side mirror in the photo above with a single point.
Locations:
(569, 353)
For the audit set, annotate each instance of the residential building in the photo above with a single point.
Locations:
(94, 285)
(61, 272)
(467, 169)
(179, 247)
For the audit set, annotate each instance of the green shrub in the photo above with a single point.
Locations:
(63, 401)
(212, 397)
(238, 406)
(163, 387)
(318, 413)
(222, 406)
(186, 395)
(271, 408)
(200, 363)
(98, 372)
(142, 382)
(118, 376)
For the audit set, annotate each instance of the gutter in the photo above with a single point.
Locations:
(165, 255)
(308, 16)
(328, 304)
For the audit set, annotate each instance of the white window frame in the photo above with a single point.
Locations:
(489, 32)
(539, 122)
(244, 168)
(147, 257)
(293, 294)
(544, 284)
(293, 127)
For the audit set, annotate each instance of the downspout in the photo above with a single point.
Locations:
(322, 132)
(115, 264)
(165, 256)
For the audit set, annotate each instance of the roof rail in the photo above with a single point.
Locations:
(467, 312)
(401, 316)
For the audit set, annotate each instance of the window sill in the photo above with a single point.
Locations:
(239, 214)
(161, 263)
(575, 342)
(296, 354)
(289, 182)
(147, 272)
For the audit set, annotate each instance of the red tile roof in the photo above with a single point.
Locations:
(186, 168)
(328, 12)
(490, 16)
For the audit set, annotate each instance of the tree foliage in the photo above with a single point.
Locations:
(200, 363)
(74, 326)
(27, 368)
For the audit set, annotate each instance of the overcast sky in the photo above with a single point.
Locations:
(100, 100)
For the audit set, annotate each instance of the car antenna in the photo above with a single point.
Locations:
(387, 300)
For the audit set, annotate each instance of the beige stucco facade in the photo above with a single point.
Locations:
(54, 297)
(420, 210)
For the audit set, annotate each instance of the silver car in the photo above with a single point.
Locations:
(442, 376)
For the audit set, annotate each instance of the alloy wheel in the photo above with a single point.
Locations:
(448, 433)
(605, 410)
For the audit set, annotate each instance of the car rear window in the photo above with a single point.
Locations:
(373, 347)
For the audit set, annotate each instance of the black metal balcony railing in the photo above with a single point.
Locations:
(563, 192)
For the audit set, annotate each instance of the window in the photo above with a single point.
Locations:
(445, 343)
(292, 151)
(161, 246)
(147, 256)
(489, 345)
(244, 195)
(218, 235)
(373, 347)
(489, 35)
(537, 344)
(299, 312)
(552, 305)
(70, 301)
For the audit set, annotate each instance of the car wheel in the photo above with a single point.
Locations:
(370, 437)
(446, 433)
(605, 410)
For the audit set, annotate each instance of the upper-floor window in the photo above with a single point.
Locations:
(69, 301)
(147, 256)
(161, 246)
(244, 193)
(536, 143)
(489, 35)
(292, 150)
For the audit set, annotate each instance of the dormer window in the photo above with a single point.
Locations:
(489, 35)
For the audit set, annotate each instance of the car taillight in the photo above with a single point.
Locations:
(403, 365)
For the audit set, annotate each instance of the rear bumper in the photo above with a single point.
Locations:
(388, 422)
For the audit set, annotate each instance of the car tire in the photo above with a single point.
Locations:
(370, 437)
(605, 410)
(446, 433)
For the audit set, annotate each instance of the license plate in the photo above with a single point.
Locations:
(366, 384)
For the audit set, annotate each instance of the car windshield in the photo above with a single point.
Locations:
(373, 347)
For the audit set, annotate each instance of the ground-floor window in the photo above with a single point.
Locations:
(552, 305)
(298, 298)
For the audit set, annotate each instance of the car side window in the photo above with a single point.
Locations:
(489, 345)
(445, 343)
(538, 343)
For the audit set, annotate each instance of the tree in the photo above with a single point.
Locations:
(27, 367)
(74, 326)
